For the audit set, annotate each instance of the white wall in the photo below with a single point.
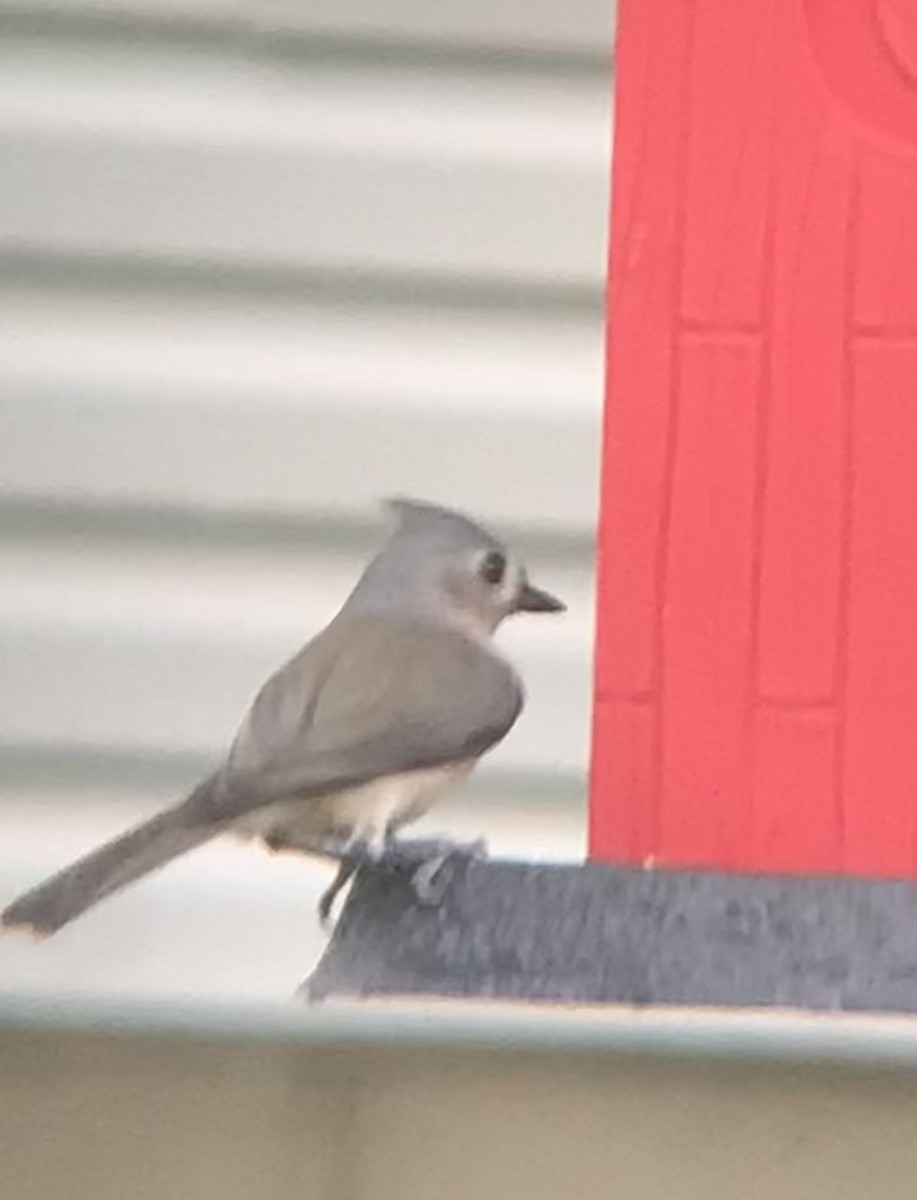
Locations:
(260, 265)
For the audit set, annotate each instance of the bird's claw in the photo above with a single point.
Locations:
(430, 865)
(434, 876)
(431, 880)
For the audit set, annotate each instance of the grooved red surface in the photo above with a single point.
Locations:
(756, 661)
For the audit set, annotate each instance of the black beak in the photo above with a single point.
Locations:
(533, 599)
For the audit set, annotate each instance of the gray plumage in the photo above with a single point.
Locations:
(359, 732)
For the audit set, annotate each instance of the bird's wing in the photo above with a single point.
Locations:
(369, 697)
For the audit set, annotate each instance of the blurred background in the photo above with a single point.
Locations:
(260, 265)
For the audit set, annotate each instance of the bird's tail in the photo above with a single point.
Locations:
(59, 900)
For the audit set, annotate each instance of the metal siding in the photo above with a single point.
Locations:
(248, 285)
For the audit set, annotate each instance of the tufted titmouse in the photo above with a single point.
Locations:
(359, 733)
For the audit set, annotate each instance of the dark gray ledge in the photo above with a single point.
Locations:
(601, 934)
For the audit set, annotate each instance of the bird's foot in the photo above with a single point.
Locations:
(352, 856)
(349, 853)
(403, 854)
(431, 864)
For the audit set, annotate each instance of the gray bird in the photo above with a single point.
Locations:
(358, 734)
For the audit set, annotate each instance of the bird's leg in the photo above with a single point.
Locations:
(426, 861)
(349, 852)
(345, 872)
(355, 854)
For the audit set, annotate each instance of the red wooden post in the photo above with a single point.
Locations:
(756, 672)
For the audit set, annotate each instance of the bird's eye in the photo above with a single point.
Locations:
(493, 567)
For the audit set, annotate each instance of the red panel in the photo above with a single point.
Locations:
(756, 701)
(727, 190)
(706, 815)
(652, 45)
(627, 777)
(806, 414)
(863, 50)
(886, 296)
(796, 815)
(880, 765)
(897, 20)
